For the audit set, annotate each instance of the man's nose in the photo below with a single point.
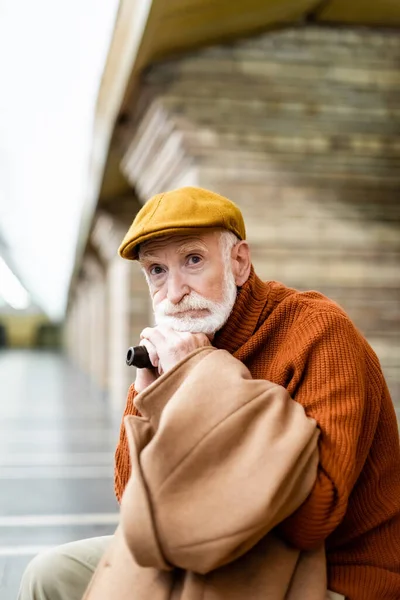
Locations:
(177, 287)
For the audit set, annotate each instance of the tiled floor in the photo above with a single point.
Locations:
(57, 439)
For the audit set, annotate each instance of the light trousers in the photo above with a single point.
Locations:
(64, 572)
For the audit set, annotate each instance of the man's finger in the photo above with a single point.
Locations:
(162, 336)
(153, 334)
(170, 335)
(154, 359)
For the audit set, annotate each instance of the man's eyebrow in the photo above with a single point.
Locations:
(146, 258)
(192, 246)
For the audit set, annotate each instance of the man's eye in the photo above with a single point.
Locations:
(194, 259)
(156, 270)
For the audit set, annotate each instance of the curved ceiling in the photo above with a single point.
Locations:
(54, 165)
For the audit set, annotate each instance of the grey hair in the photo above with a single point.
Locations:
(227, 241)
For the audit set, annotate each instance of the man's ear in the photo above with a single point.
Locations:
(241, 262)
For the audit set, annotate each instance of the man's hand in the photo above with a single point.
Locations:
(145, 377)
(166, 347)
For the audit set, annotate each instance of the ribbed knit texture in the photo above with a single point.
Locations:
(306, 343)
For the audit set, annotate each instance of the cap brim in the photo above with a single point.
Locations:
(129, 249)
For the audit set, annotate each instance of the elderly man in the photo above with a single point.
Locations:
(192, 248)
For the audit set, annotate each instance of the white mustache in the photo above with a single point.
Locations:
(174, 315)
(192, 302)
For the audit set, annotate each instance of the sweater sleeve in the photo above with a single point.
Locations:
(122, 468)
(332, 375)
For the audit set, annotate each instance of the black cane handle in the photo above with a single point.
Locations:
(137, 356)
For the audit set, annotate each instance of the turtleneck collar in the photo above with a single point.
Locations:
(253, 304)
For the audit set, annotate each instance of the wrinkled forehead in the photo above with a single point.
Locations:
(205, 241)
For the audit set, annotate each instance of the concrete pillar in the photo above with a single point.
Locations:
(100, 332)
(118, 319)
(95, 307)
(127, 307)
(83, 326)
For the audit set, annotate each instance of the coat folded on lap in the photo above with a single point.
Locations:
(218, 460)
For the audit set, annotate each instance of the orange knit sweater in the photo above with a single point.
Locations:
(306, 343)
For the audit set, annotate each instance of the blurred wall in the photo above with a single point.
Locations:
(300, 127)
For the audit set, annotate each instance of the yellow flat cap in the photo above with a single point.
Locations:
(184, 210)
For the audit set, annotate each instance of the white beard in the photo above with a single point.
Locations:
(212, 321)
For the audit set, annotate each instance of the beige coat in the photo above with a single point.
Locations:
(218, 460)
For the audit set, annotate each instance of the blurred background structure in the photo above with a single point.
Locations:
(291, 109)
